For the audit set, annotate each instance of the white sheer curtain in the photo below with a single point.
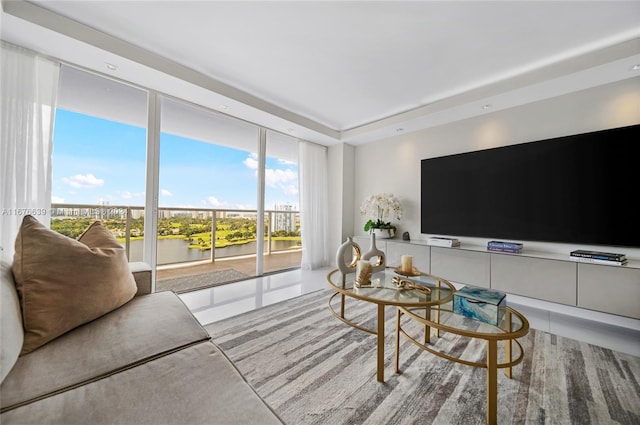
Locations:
(314, 221)
(28, 89)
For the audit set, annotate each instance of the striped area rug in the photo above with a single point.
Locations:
(314, 369)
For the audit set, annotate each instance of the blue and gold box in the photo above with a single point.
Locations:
(486, 305)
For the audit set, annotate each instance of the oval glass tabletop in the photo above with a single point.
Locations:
(390, 288)
(512, 324)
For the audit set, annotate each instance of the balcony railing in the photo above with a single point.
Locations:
(203, 233)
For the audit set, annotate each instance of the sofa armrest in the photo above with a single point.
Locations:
(142, 274)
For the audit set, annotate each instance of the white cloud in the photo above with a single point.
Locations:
(251, 162)
(165, 192)
(283, 179)
(279, 178)
(57, 200)
(214, 202)
(85, 181)
(286, 162)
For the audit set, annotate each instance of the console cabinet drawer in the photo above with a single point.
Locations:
(611, 289)
(549, 280)
(460, 266)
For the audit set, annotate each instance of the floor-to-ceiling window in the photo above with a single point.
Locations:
(208, 196)
(209, 191)
(99, 145)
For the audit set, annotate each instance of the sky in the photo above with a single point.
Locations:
(99, 161)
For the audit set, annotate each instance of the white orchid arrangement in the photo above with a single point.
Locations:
(380, 208)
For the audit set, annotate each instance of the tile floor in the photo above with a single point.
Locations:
(219, 302)
(212, 304)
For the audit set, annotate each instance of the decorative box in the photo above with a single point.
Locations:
(482, 304)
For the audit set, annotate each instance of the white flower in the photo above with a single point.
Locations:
(381, 208)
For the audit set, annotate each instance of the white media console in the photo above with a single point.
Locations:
(549, 281)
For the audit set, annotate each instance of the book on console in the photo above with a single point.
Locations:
(502, 249)
(501, 244)
(598, 255)
(598, 261)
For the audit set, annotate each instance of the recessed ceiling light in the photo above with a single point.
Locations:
(636, 67)
(111, 66)
(486, 106)
(399, 129)
(224, 107)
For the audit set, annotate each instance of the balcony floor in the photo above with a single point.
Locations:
(202, 274)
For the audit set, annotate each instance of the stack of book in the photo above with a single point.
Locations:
(500, 246)
(599, 257)
(438, 241)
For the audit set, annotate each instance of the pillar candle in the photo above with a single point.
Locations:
(406, 263)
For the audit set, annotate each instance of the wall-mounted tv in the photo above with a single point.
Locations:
(579, 189)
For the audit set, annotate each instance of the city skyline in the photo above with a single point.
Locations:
(97, 161)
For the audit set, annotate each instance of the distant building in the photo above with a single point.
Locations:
(165, 214)
(284, 218)
(137, 213)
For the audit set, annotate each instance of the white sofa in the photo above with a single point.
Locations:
(148, 361)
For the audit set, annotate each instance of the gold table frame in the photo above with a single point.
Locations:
(506, 332)
(384, 292)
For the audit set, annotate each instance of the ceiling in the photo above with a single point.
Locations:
(341, 71)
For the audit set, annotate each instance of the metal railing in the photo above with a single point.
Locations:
(127, 223)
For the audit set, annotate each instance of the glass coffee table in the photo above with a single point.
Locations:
(426, 300)
(513, 325)
(388, 288)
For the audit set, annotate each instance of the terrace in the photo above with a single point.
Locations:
(196, 248)
(188, 276)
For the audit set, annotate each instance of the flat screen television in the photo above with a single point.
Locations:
(579, 189)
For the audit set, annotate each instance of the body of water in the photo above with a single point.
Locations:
(178, 251)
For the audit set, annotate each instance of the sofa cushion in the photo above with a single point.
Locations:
(63, 283)
(11, 332)
(196, 385)
(142, 329)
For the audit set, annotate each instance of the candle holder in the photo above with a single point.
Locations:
(406, 267)
(406, 263)
(413, 273)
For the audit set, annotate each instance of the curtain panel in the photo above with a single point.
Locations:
(28, 90)
(314, 220)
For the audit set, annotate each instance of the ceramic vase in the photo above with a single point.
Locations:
(378, 257)
(349, 246)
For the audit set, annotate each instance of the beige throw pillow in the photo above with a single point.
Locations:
(63, 283)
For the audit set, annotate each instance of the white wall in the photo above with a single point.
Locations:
(393, 165)
(341, 197)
